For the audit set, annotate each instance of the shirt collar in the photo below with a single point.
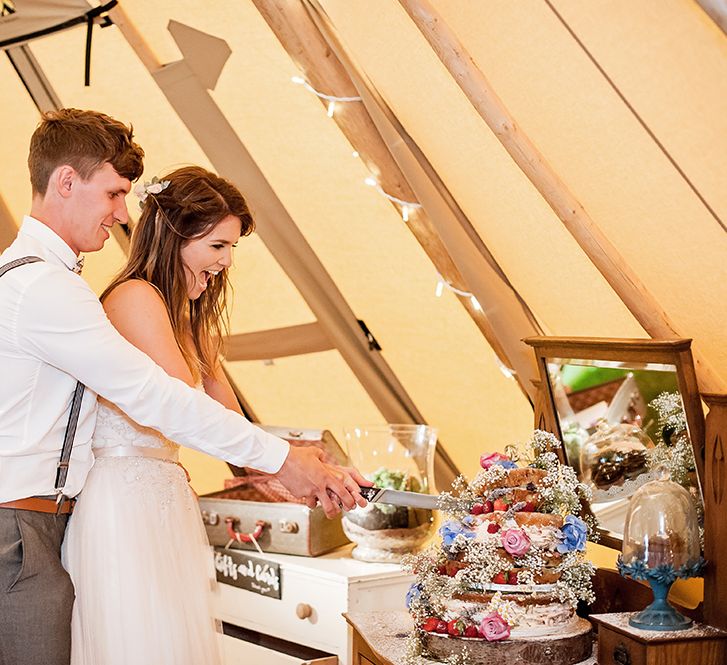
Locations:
(49, 239)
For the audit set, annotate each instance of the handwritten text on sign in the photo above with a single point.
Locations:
(248, 572)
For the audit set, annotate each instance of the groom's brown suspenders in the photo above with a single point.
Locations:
(61, 505)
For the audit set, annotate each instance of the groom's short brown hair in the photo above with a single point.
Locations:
(85, 140)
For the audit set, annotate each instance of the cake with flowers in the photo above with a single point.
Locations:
(504, 582)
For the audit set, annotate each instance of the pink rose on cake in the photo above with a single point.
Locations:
(486, 461)
(494, 628)
(515, 541)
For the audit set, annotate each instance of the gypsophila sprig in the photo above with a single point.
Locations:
(676, 454)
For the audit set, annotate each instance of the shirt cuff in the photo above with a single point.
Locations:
(275, 453)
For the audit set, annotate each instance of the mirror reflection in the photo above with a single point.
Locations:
(618, 423)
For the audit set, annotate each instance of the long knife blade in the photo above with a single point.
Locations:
(399, 498)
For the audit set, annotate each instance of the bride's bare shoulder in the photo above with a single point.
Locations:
(136, 304)
(136, 294)
(136, 309)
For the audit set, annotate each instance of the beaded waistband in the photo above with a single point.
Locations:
(164, 454)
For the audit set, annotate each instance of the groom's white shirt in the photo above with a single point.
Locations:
(54, 332)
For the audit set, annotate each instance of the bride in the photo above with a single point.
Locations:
(136, 549)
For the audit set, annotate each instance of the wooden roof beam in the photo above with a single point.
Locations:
(717, 11)
(277, 343)
(624, 281)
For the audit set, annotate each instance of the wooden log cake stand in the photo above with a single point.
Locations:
(621, 644)
(380, 638)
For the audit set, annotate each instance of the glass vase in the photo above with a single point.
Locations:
(397, 457)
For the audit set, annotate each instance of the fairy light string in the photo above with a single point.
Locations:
(331, 99)
(407, 207)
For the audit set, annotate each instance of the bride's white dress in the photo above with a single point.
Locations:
(138, 555)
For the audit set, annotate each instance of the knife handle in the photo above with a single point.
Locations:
(369, 493)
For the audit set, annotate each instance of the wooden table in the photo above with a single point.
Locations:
(379, 638)
(618, 643)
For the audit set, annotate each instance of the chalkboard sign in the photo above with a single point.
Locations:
(248, 572)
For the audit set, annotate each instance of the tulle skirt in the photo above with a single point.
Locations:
(142, 568)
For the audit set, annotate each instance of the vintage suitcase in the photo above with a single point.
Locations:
(255, 508)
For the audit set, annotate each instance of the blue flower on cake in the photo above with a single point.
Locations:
(574, 533)
(451, 529)
(415, 590)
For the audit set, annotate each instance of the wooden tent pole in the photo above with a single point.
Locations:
(640, 302)
(717, 11)
(328, 70)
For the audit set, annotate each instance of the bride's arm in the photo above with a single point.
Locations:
(138, 312)
(218, 387)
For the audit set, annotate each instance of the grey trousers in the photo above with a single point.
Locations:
(36, 594)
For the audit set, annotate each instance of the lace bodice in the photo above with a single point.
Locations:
(115, 428)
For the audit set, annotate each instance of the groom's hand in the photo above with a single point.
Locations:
(305, 475)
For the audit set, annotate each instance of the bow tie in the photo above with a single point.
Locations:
(79, 266)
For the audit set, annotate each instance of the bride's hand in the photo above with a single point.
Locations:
(305, 475)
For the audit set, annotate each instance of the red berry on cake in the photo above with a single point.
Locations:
(500, 578)
(471, 631)
(488, 507)
(500, 505)
(477, 509)
(493, 527)
(441, 627)
(430, 624)
(529, 507)
(512, 577)
(455, 627)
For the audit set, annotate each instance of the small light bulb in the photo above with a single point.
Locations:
(331, 108)
(297, 79)
(405, 213)
(371, 182)
(476, 303)
(506, 371)
(440, 289)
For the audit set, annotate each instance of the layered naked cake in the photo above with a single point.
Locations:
(506, 578)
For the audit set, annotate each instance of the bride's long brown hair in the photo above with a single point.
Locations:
(193, 203)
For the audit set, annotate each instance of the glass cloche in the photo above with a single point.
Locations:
(661, 543)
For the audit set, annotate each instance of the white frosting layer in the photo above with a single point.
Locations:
(519, 588)
(525, 620)
(544, 537)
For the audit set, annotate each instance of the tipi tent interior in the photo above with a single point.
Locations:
(432, 182)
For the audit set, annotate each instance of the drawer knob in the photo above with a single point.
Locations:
(621, 655)
(303, 610)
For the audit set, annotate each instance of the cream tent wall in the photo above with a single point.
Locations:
(627, 103)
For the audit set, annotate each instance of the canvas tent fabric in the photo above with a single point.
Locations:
(626, 102)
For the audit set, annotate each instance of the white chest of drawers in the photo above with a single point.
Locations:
(315, 592)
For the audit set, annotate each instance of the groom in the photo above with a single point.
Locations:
(53, 334)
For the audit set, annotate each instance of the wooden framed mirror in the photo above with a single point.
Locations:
(606, 400)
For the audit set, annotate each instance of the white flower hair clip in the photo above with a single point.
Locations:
(154, 187)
